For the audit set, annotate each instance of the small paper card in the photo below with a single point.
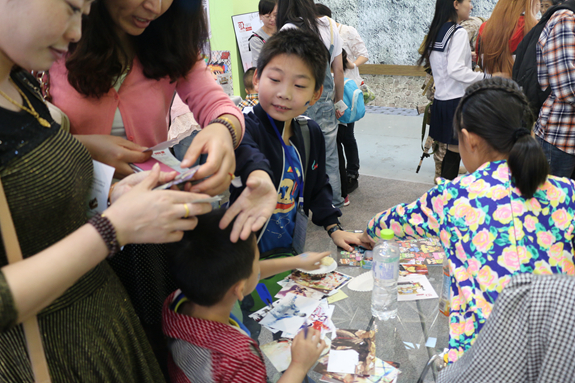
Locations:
(352, 352)
(101, 183)
(413, 287)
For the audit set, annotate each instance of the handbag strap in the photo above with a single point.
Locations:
(30, 325)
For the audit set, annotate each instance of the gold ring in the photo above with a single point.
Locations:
(232, 175)
(187, 211)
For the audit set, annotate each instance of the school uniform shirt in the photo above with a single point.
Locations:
(451, 64)
(490, 233)
(205, 351)
(555, 57)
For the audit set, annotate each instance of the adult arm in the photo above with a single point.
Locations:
(207, 101)
(457, 67)
(357, 46)
(139, 216)
(337, 68)
(559, 57)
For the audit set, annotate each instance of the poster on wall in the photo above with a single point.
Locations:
(244, 25)
(206, 5)
(220, 65)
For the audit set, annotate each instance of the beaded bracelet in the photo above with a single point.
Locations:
(105, 228)
(228, 124)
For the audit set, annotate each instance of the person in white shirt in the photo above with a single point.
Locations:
(448, 53)
(302, 14)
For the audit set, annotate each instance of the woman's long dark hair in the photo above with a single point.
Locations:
(497, 110)
(299, 12)
(169, 47)
(444, 12)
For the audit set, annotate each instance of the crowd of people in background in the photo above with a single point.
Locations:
(114, 302)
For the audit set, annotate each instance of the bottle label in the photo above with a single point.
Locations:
(386, 270)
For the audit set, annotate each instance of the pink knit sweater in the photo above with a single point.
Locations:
(144, 103)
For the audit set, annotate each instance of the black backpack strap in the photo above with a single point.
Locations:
(302, 122)
(251, 37)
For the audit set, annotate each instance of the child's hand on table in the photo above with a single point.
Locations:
(310, 261)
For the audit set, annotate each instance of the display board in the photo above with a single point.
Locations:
(244, 25)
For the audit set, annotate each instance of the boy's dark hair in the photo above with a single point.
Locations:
(205, 263)
(322, 10)
(168, 47)
(305, 45)
(497, 110)
(265, 7)
(248, 77)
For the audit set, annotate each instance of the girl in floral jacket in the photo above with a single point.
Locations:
(506, 217)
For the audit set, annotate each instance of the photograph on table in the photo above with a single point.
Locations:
(279, 353)
(413, 287)
(406, 269)
(351, 258)
(320, 319)
(261, 313)
(384, 373)
(296, 289)
(325, 284)
(422, 245)
(289, 314)
(351, 352)
(419, 258)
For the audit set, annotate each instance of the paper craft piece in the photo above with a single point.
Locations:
(162, 146)
(261, 313)
(359, 341)
(330, 282)
(367, 262)
(290, 314)
(363, 282)
(384, 373)
(343, 361)
(320, 320)
(414, 287)
(279, 353)
(167, 161)
(406, 269)
(351, 258)
(337, 297)
(297, 289)
(421, 251)
(101, 182)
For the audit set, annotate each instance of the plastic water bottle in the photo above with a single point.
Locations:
(385, 272)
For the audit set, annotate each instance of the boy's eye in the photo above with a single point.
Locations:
(74, 8)
(274, 79)
(301, 86)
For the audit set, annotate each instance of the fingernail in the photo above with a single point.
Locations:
(185, 163)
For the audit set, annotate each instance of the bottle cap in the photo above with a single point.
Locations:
(386, 234)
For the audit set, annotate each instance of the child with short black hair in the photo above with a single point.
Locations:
(206, 341)
(251, 90)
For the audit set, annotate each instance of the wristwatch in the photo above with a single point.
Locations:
(334, 229)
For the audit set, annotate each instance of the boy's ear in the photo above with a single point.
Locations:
(316, 96)
(238, 289)
(256, 81)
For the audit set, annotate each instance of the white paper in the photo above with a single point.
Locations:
(244, 26)
(166, 157)
(343, 361)
(413, 287)
(101, 183)
(291, 312)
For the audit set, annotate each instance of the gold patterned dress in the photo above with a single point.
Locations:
(90, 333)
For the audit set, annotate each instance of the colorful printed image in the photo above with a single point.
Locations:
(296, 289)
(384, 373)
(324, 284)
(406, 268)
(352, 352)
(290, 314)
(351, 258)
(279, 353)
(414, 287)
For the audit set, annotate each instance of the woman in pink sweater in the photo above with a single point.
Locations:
(117, 84)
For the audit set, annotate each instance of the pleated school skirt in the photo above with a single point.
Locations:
(441, 127)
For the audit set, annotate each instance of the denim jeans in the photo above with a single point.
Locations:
(182, 147)
(561, 164)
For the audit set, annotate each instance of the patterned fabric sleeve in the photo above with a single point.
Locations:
(8, 313)
(558, 59)
(421, 218)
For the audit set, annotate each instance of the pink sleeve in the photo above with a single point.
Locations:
(204, 97)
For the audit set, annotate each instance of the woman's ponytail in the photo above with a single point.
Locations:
(497, 110)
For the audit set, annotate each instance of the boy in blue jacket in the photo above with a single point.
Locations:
(290, 75)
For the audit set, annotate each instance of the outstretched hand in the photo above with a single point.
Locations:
(345, 240)
(253, 207)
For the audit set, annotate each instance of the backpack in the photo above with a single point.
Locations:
(525, 66)
(353, 98)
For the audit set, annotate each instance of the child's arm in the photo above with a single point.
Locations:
(305, 351)
(306, 261)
